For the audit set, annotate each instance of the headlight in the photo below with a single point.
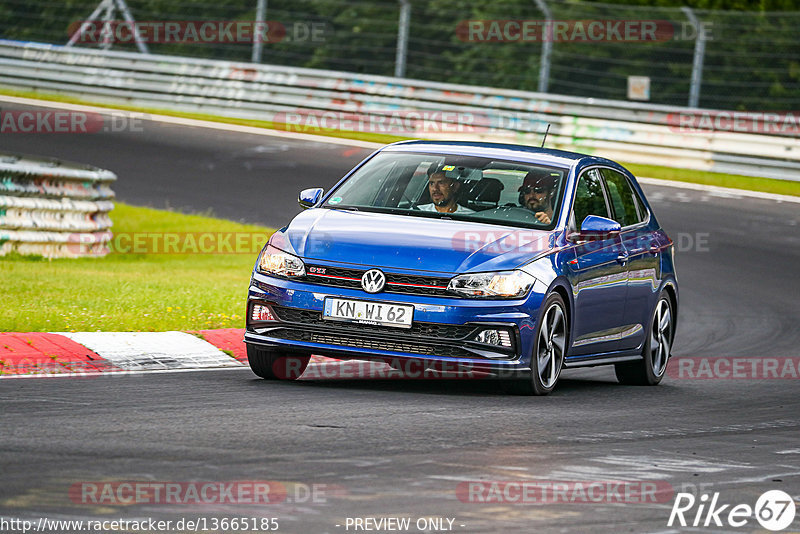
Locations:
(274, 261)
(506, 284)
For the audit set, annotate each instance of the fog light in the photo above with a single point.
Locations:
(494, 337)
(261, 313)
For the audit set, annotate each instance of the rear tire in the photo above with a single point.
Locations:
(549, 349)
(656, 349)
(271, 364)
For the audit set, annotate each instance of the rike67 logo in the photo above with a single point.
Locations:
(774, 510)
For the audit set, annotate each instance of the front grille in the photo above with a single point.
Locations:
(433, 330)
(423, 339)
(395, 283)
(410, 347)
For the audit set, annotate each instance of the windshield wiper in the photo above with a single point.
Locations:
(346, 208)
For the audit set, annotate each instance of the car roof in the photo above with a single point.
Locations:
(506, 151)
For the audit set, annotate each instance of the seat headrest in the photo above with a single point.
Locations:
(486, 190)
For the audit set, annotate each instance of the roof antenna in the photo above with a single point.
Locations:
(545, 134)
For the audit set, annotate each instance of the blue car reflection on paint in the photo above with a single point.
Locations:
(507, 261)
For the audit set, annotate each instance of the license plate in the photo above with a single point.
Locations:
(366, 312)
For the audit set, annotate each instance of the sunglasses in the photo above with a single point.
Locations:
(537, 189)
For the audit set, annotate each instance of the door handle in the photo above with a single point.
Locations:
(655, 249)
(622, 258)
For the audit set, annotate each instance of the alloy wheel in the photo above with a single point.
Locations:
(661, 337)
(551, 343)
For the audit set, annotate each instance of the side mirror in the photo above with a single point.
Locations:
(594, 227)
(309, 198)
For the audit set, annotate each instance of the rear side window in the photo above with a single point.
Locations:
(589, 199)
(623, 199)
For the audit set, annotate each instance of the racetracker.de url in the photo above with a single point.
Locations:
(194, 524)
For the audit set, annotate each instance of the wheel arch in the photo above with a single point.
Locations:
(561, 286)
(671, 289)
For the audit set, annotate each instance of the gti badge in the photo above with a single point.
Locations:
(373, 281)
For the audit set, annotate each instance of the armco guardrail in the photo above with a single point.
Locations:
(53, 208)
(632, 132)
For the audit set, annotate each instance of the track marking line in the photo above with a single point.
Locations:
(194, 122)
(725, 192)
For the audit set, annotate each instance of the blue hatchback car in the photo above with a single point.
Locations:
(509, 261)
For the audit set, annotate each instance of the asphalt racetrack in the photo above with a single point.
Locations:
(406, 448)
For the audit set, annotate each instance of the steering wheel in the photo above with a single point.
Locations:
(515, 213)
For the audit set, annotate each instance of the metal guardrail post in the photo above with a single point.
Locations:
(107, 33)
(126, 13)
(107, 7)
(547, 46)
(402, 39)
(258, 46)
(87, 23)
(697, 61)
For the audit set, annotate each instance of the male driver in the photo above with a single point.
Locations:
(444, 192)
(536, 194)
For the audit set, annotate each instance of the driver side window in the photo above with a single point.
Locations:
(589, 197)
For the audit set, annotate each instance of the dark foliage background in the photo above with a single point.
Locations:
(752, 59)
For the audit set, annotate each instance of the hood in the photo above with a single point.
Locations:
(409, 242)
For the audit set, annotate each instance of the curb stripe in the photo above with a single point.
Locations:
(80, 354)
(135, 351)
(229, 339)
(40, 353)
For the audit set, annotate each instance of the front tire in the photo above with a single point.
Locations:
(549, 348)
(656, 349)
(271, 364)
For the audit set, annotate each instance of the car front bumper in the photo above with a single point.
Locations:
(442, 334)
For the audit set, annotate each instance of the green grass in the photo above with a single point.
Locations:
(132, 292)
(783, 187)
(750, 183)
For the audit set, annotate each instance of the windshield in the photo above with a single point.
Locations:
(456, 187)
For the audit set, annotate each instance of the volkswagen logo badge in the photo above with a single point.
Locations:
(373, 281)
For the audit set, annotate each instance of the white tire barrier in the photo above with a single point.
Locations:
(54, 209)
